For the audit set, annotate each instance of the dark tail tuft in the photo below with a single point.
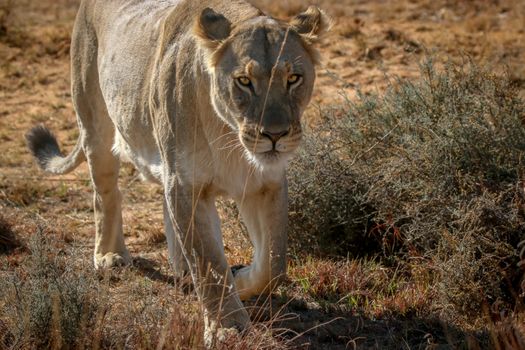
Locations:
(42, 144)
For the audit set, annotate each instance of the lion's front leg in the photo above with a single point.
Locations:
(197, 227)
(266, 217)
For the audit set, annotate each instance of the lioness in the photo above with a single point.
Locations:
(204, 98)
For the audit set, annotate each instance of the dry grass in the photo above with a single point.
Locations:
(337, 297)
(50, 300)
(362, 284)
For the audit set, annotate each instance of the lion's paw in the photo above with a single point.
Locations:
(110, 260)
(220, 336)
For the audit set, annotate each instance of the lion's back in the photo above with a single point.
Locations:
(127, 37)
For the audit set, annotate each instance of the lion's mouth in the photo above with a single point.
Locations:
(267, 156)
(272, 154)
(269, 159)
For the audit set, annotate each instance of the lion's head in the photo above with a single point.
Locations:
(262, 73)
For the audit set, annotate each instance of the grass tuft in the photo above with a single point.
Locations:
(48, 305)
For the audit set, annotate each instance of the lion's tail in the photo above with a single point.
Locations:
(44, 147)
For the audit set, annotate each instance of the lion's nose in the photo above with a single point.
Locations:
(274, 135)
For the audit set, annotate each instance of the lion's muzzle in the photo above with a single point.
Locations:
(268, 144)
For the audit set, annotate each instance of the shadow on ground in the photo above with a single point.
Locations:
(306, 325)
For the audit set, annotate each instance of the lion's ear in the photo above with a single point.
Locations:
(212, 27)
(311, 23)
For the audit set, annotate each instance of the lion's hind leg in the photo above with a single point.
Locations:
(104, 165)
(110, 249)
(98, 132)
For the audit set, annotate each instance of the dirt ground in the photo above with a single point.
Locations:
(371, 42)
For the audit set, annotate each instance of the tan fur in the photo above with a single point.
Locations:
(157, 83)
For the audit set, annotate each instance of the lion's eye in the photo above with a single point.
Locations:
(293, 79)
(244, 81)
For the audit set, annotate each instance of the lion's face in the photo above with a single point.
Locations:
(266, 93)
(262, 80)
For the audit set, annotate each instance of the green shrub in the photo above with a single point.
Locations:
(432, 169)
(327, 213)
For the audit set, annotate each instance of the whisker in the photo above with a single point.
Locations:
(222, 136)
(229, 144)
(239, 146)
(229, 147)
